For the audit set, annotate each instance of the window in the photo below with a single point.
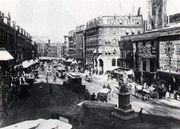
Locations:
(114, 31)
(120, 21)
(144, 65)
(114, 40)
(139, 31)
(124, 65)
(152, 43)
(125, 22)
(113, 62)
(118, 62)
(124, 54)
(114, 51)
(144, 44)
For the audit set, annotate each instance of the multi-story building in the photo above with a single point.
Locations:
(71, 44)
(64, 48)
(48, 49)
(43, 48)
(52, 50)
(102, 35)
(157, 53)
(157, 14)
(59, 49)
(16, 40)
(80, 44)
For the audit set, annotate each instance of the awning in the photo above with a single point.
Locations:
(74, 62)
(44, 58)
(28, 63)
(69, 60)
(5, 55)
(40, 124)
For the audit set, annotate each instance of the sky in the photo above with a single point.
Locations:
(53, 19)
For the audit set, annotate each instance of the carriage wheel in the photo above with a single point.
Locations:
(147, 97)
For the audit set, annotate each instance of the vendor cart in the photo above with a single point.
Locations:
(103, 94)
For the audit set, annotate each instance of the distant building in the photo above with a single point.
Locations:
(157, 15)
(43, 48)
(53, 50)
(72, 44)
(48, 49)
(64, 48)
(102, 35)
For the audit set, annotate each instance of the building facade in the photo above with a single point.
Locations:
(16, 40)
(156, 53)
(64, 48)
(157, 15)
(80, 43)
(48, 49)
(53, 49)
(72, 44)
(102, 35)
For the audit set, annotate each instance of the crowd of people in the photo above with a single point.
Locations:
(15, 83)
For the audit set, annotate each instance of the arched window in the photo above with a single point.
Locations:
(118, 62)
(113, 62)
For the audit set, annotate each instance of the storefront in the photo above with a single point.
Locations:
(152, 52)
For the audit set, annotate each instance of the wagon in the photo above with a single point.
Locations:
(88, 78)
(103, 94)
(74, 82)
(146, 94)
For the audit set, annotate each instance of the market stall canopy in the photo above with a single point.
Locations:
(69, 60)
(104, 90)
(36, 61)
(26, 64)
(5, 55)
(121, 71)
(63, 59)
(74, 62)
(44, 58)
(40, 124)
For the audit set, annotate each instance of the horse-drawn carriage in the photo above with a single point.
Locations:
(146, 93)
(89, 78)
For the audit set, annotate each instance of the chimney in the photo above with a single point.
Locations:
(49, 41)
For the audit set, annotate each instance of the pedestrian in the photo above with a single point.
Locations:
(50, 90)
(54, 79)
(86, 97)
(140, 114)
(93, 97)
(135, 90)
(4, 98)
(163, 90)
(47, 80)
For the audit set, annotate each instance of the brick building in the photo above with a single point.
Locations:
(16, 40)
(80, 43)
(102, 35)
